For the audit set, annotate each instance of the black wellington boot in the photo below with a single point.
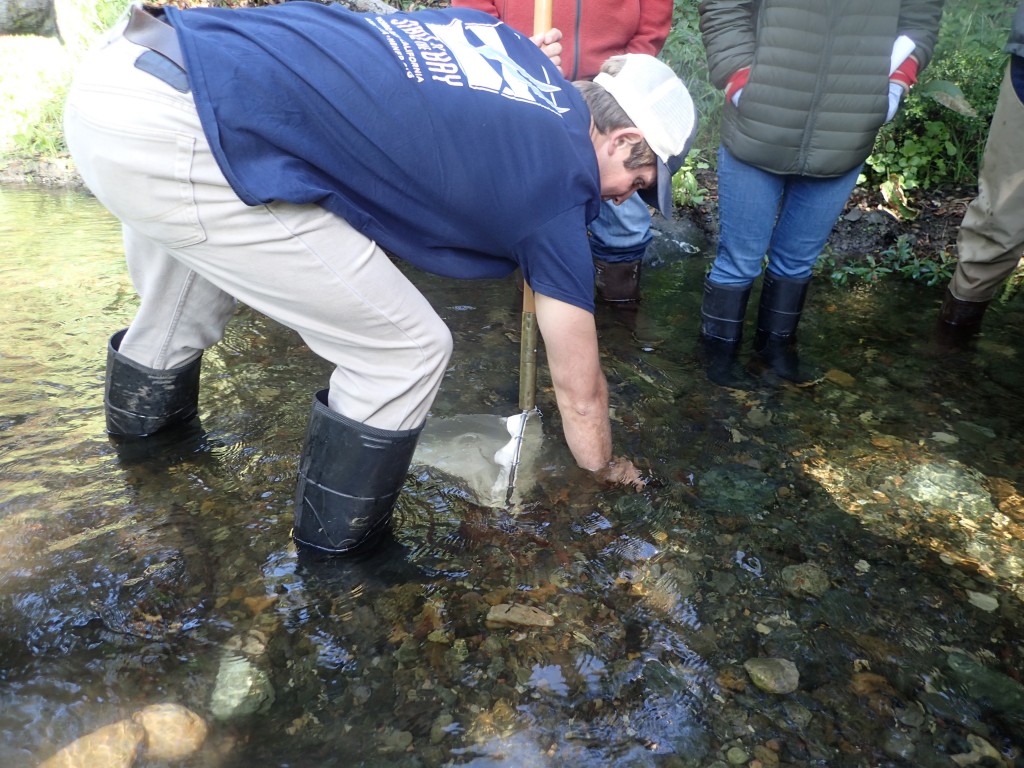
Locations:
(617, 282)
(782, 304)
(350, 475)
(959, 322)
(140, 401)
(722, 311)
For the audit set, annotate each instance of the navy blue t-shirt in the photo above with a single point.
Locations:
(444, 135)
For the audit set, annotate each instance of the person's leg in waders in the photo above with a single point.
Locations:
(141, 149)
(991, 239)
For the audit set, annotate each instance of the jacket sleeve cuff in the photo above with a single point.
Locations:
(906, 73)
(737, 81)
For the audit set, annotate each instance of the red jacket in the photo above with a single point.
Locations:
(604, 28)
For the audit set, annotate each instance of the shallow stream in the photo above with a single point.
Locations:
(868, 530)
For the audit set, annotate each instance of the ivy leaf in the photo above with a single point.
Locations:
(949, 95)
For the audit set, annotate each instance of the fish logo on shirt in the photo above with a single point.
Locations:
(487, 65)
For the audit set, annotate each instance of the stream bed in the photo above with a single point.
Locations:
(820, 576)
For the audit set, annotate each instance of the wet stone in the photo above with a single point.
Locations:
(899, 744)
(505, 614)
(911, 715)
(949, 487)
(723, 582)
(1002, 693)
(985, 602)
(173, 732)
(766, 754)
(396, 741)
(805, 579)
(773, 675)
(441, 727)
(974, 433)
(797, 714)
(113, 746)
(241, 688)
(737, 755)
(981, 753)
(737, 489)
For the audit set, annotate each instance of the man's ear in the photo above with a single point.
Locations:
(627, 137)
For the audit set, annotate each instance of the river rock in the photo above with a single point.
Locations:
(112, 746)
(996, 690)
(773, 675)
(172, 731)
(900, 745)
(505, 614)
(980, 600)
(980, 750)
(805, 579)
(241, 688)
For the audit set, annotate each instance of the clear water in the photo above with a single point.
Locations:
(126, 576)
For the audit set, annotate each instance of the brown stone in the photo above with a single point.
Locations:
(523, 615)
(172, 731)
(112, 746)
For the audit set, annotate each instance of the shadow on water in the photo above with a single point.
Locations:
(867, 530)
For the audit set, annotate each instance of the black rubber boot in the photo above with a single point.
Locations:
(782, 304)
(959, 322)
(141, 401)
(617, 282)
(722, 311)
(350, 475)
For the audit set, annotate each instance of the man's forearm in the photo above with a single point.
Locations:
(587, 432)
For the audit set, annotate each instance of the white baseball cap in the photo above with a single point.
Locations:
(660, 106)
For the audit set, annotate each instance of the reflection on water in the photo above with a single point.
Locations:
(163, 572)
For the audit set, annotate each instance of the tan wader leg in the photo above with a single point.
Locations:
(991, 236)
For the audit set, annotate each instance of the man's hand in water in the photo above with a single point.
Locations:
(551, 43)
(621, 470)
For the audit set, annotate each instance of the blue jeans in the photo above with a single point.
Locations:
(621, 232)
(787, 217)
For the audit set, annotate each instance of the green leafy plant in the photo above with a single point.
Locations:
(686, 188)
(939, 133)
(871, 270)
(910, 265)
(899, 259)
(41, 131)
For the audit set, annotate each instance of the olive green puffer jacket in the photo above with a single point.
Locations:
(819, 75)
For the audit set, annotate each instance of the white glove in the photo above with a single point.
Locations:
(895, 96)
(736, 98)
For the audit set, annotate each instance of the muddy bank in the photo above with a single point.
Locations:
(48, 172)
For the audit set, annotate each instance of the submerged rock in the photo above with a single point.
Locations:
(526, 615)
(773, 675)
(805, 579)
(949, 486)
(990, 688)
(172, 731)
(241, 688)
(112, 746)
(737, 489)
(980, 750)
(158, 732)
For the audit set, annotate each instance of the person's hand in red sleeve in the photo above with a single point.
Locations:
(734, 87)
(904, 76)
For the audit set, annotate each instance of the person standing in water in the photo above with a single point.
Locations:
(807, 85)
(276, 155)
